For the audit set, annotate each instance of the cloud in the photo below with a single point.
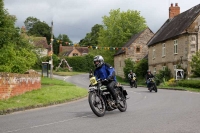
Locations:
(76, 17)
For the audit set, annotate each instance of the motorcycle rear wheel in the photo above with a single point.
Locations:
(97, 104)
(155, 88)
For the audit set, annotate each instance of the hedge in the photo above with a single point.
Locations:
(189, 83)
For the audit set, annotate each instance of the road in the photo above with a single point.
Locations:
(167, 111)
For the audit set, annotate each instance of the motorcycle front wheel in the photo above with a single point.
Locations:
(135, 84)
(122, 102)
(97, 104)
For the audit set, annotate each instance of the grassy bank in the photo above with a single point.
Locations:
(53, 91)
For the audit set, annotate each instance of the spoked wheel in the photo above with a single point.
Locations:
(97, 104)
(135, 84)
(155, 88)
(122, 102)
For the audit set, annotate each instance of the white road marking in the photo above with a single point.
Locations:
(65, 78)
(57, 122)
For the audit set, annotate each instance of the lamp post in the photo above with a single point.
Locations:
(51, 50)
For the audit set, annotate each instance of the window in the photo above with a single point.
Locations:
(164, 67)
(137, 49)
(154, 70)
(193, 39)
(75, 54)
(153, 54)
(175, 67)
(175, 46)
(163, 49)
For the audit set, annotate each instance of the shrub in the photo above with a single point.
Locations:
(128, 66)
(189, 83)
(171, 82)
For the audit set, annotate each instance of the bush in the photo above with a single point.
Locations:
(171, 82)
(81, 63)
(189, 83)
(128, 67)
(141, 68)
(163, 75)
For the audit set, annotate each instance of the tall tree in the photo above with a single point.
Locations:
(16, 53)
(120, 26)
(37, 28)
(91, 39)
(7, 28)
(61, 39)
(29, 22)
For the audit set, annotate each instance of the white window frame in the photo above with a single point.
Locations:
(176, 46)
(164, 67)
(163, 50)
(153, 53)
(175, 67)
(154, 70)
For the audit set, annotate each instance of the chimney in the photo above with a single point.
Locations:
(174, 10)
(23, 29)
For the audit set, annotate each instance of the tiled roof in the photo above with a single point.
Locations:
(176, 26)
(82, 49)
(68, 49)
(40, 42)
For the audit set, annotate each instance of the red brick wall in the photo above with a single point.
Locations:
(12, 84)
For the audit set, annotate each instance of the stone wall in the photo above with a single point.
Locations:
(12, 84)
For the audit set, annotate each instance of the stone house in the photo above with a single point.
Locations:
(135, 49)
(42, 47)
(176, 41)
(72, 51)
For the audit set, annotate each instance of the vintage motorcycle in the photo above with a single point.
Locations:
(133, 82)
(152, 85)
(100, 99)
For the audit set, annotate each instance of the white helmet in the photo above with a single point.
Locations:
(100, 59)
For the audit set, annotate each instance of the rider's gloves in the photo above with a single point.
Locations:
(109, 78)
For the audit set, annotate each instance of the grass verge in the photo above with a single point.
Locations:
(53, 91)
(67, 73)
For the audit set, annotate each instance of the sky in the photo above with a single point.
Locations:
(75, 18)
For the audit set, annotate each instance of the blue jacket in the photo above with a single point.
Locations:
(105, 72)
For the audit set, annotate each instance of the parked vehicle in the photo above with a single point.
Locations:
(100, 99)
(152, 85)
(133, 82)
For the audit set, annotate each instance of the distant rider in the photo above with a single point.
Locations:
(148, 75)
(130, 76)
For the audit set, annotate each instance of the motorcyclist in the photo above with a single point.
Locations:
(148, 75)
(106, 73)
(130, 76)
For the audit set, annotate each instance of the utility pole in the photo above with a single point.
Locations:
(51, 50)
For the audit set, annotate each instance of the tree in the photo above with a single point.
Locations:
(119, 27)
(64, 39)
(195, 64)
(7, 29)
(129, 65)
(141, 67)
(29, 22)
(16, 53)
(91, 39)
(61, 39)
(37, 28)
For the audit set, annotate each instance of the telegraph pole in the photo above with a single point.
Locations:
(51, 50)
